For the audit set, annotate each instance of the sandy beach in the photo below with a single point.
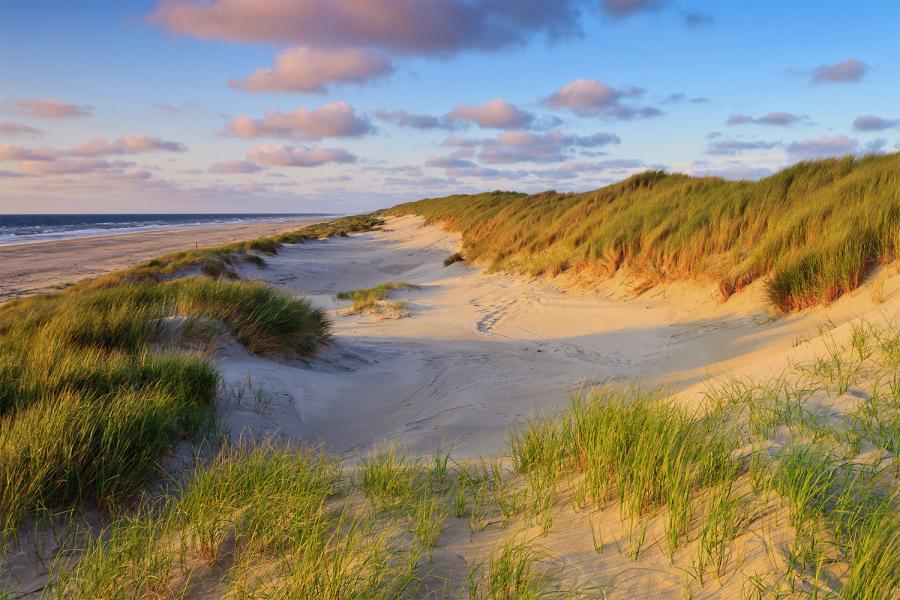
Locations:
(34, 267)
(480, 353)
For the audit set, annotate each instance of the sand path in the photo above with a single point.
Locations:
(482, 352)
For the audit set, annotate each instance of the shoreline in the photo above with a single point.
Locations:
(50, 265)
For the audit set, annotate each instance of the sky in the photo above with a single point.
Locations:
(343, 106)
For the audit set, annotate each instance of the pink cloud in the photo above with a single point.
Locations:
(337, 119)
(496, 113)
(589, 98)
(51, 109)
(235, 166)
(851, 70)
(13, 152)
(70, 166)
(838, 145)
(290, 156)
(439, 28)
(18, 129)
(129, 144)
(301, 70)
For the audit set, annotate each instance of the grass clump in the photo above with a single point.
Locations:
(454, 258)
(93, 388)
(261, 522)
(812, 231)
(633, 446)
(371, 300)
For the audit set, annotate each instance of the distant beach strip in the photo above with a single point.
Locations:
(18, 229)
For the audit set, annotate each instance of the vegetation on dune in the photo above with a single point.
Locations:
(220, 261)
(90, 395)
(370, 300)
(95, 384)
(812, 231)
(269, 521)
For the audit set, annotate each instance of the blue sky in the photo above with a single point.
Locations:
(127, 106)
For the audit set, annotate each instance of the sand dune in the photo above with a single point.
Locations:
(482, 352)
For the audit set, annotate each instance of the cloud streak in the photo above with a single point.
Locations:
(422, 28)
(311, 70)
(15, 129)
(302, 156)
(874, 123)
(851, 70)
(334, 120)
(51, 109)
(780, 119)
(496, 113)
(591, 98)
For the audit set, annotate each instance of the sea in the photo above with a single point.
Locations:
(17, 229)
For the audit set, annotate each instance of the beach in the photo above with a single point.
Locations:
(34, 267)
(480, 352)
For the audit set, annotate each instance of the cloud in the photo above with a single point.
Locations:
(51, 109)
(873, 123)
(174, 109)
(497, 113)
(522, 146)
(337, 119)
(303, 156)
(589, 98)
(729, 147)
(75, 166)
(458, 142)
(573, 169)
(876, 145)
(424, 28)
(13, 152)
(781, 119)
(851, 70)
(18, 129)
(235, 166)
(680, 97)
(838, 145)
(695, 20)
(448, 162)
(404, 118)
(129, 144)
(304, 70)
(626, 8)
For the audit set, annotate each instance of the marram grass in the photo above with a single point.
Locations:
(95, 386)
(812, 231)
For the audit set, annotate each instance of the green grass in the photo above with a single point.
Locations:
(94, 388)
(369, 300)
(812, 231)
(266, 521)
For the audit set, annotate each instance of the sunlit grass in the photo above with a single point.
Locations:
(812, 231)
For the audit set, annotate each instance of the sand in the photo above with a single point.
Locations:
(34, 267)
(480, 353)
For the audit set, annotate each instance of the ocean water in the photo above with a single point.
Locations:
(16, 229)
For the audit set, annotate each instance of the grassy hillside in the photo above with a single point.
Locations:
(767, 493)
(812, 230)
(94, 389)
